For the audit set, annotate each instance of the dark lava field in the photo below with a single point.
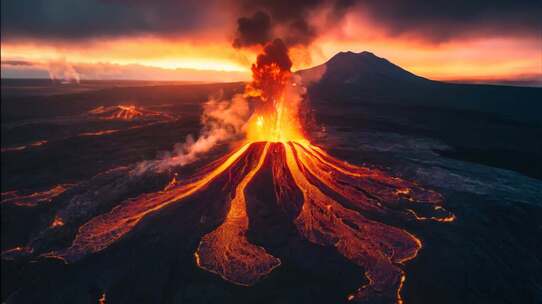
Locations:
(479, 146)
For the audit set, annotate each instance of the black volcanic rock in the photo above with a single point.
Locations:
(490, 254)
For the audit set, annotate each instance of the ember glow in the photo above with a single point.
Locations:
(276, 95)
(33, 199)
(125, 112)
(331, 203)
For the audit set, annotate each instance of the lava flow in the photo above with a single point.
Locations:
(33, 199)
(330, 202)
(124, 112)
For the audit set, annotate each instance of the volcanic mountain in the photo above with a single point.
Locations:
(356, 211)
(363, 71)
(239, 217)
(367, 78)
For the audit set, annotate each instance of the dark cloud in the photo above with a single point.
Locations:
(436, 20)
(275, 52)
(253, 30)
(300, 32)
(286, 11)
(291, 17)
(82, 19)
(441, 20)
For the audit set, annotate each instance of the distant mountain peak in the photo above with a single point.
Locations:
(350, 53)
(364, 57)
(362, 69)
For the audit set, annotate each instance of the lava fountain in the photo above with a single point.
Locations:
(330, 202)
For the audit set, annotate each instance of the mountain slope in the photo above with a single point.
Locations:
(366, 78)
(363, 68)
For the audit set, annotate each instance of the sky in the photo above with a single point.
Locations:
(217, 40)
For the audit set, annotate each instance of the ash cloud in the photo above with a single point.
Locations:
(89, 19)
(275, 52)
(290, 20)
(253, 30)
(434, 21)
(287, 20)
(441, 20)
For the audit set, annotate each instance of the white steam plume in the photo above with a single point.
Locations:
(223, 121)
(62, 71)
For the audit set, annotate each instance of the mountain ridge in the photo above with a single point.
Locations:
(350, 68)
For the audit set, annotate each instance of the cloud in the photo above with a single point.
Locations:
(15, 68)
(443, 20)
(253, 30)
(17, 63)
(82, 19)
(288, 20)
(292, 21)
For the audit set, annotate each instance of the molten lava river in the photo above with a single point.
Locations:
(330, 202)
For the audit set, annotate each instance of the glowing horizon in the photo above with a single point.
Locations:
(474, 51)
(476, 60)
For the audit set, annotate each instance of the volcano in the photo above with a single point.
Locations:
(354, 210)
(364, 77)
(362, 70)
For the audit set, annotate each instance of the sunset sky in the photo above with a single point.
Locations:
(192, 40)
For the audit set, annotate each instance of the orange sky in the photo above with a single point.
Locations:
(477, 57)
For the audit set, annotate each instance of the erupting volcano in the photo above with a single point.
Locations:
(330, 202)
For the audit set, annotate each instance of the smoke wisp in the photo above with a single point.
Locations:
(63, 71)
(223, 121)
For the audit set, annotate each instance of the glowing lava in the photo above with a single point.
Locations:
(226, 251)
(277, 97)
(125, 112)
(335, 204)
(33, 199)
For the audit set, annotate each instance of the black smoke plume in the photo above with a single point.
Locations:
(253, 30)
(275, 52)
(286, 20)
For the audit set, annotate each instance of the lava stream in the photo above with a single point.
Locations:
(226, 250)
(103, 230)
(33, 199)
(372, 245)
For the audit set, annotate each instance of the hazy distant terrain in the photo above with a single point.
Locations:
(479, 146)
